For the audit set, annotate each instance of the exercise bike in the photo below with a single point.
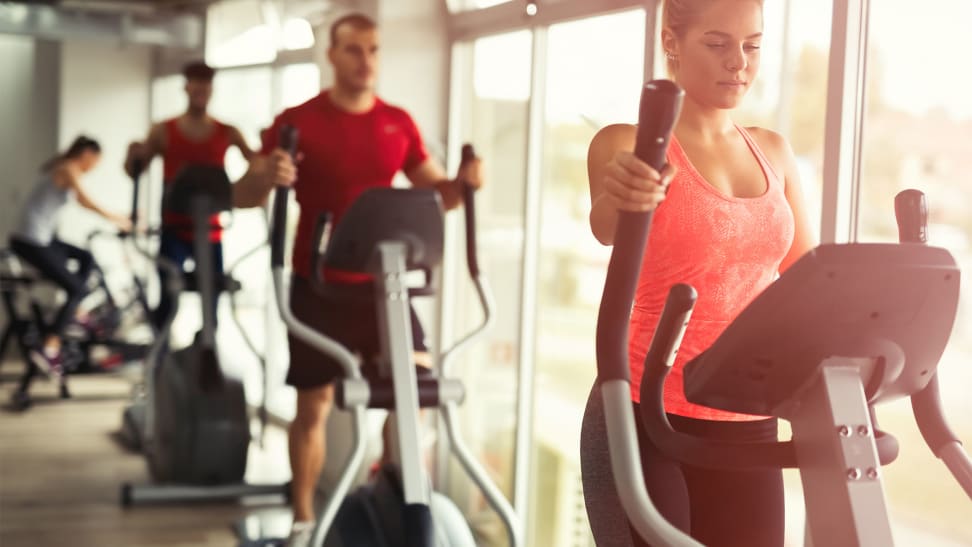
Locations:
(845, 328)
(388, 232)
(190, 420)
(99, 343)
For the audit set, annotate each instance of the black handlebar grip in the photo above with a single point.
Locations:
(468, 153)
(137, 167)
(664, 343)
(661, 102)
(911, 212)
(469, 205)
(288, 141)
(930, 417)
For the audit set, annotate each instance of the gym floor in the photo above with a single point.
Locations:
(61, 470)
(66, 492)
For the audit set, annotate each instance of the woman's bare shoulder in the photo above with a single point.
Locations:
(772, 143)
(617, 136)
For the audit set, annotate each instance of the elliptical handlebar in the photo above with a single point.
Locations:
(469, 206)
(288, 141)
(449, 411)
(661, 102)
(137, 167)
(911, 213)
(278, 236)
(472, 264)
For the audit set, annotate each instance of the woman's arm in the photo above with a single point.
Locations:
(620, 181)
(66, 177)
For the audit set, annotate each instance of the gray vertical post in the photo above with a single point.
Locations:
(839, 464)
(395, 333)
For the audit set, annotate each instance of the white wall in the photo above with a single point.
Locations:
(105, 92)
(28, 119)
(415, 64)
(414, 69)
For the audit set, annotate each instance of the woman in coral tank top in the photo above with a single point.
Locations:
(728, 217)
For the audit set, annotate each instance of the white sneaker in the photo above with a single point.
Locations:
(301, 534)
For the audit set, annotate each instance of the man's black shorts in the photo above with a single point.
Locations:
(352, 322)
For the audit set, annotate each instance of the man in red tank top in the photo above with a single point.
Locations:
(193, 138)
(350, 140)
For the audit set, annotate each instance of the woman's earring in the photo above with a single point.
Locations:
(671, 56)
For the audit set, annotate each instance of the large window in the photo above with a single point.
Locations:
(463, 5)
(495, 90)
(594, 72)
(918, 134)
(246, 32)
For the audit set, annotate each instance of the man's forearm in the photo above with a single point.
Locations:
(250, 191)
(451, 193)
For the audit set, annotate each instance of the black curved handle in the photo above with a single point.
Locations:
(288, 141)
(469, 205)
(930, 417)
(911, 212)
(661, 101)
(667, 337)
(137, 167)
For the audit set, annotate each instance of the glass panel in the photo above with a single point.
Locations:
(168, 97)
(572, 263)
(917, 134)
(242, 97)
(239, 33)
(465, 5)
(297, 34)
(298, 83)
(494, 117)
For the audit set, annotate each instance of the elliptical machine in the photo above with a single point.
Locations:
(843, 329)
(388, 232)
(192, 421)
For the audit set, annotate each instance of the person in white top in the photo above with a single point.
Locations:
(35, 238)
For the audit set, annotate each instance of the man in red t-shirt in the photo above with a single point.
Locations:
(349, 141)
(193, 138)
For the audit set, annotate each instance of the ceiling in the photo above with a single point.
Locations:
(135, 7)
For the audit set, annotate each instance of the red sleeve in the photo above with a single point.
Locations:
(416, 153)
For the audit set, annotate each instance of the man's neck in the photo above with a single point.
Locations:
(196, 115)
(353, 101)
